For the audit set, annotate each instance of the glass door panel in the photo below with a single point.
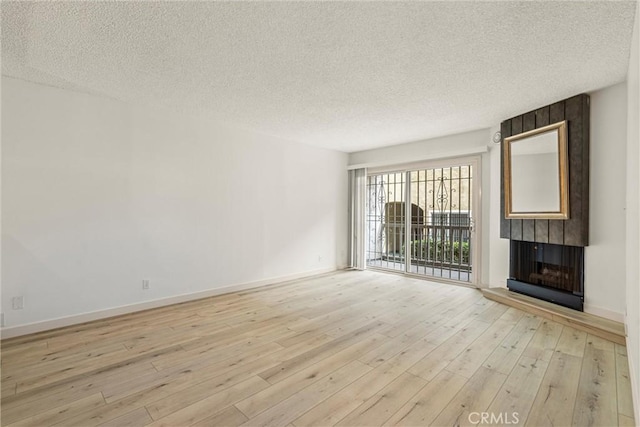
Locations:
(430, 212)
(386, 221)
(442, 229)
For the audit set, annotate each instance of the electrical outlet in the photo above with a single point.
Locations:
(17, 303)
(145, 284)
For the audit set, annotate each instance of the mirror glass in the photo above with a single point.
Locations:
(536, 174)
(535, 157)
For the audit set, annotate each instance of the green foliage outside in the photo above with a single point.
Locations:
(440, 251)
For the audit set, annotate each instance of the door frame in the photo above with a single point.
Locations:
(475, 161)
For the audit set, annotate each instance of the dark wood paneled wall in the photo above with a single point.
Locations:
(575, 230)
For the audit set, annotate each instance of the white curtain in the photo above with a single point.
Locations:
(357, 207)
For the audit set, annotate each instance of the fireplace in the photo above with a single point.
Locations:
(553, 273)
(547, 253)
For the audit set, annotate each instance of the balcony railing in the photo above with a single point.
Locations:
(442, 246)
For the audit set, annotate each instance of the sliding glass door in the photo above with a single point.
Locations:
(421, 220)
(386, 220)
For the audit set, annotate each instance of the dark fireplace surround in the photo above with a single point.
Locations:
(547, 255)
(553, 273)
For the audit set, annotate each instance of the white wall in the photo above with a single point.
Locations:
(98, 195)
(633, 218)
(605, 265)
(605, 256)
(464, 144)
(461, 144)
(605, 262)
(498, 247)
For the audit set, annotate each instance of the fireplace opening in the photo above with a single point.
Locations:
(549, 272)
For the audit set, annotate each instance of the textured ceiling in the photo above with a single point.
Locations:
(340, 75)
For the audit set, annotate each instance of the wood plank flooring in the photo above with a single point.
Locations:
(348, 348)
(594, 325)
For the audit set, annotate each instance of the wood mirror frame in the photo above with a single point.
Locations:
(544, 182)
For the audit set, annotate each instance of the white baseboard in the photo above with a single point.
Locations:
(501, 284)
(30, 328)
(603, 312)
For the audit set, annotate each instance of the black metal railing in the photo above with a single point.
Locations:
(442, 246)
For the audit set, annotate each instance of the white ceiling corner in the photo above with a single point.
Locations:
(340, 75)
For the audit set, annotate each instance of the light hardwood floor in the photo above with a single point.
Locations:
(349, 348)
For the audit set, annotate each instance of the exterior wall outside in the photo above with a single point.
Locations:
(456, 187)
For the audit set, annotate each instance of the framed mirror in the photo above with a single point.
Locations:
(536, 176)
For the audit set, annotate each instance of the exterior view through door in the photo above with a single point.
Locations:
(431, 212)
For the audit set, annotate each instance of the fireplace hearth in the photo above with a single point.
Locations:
(553, 273)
